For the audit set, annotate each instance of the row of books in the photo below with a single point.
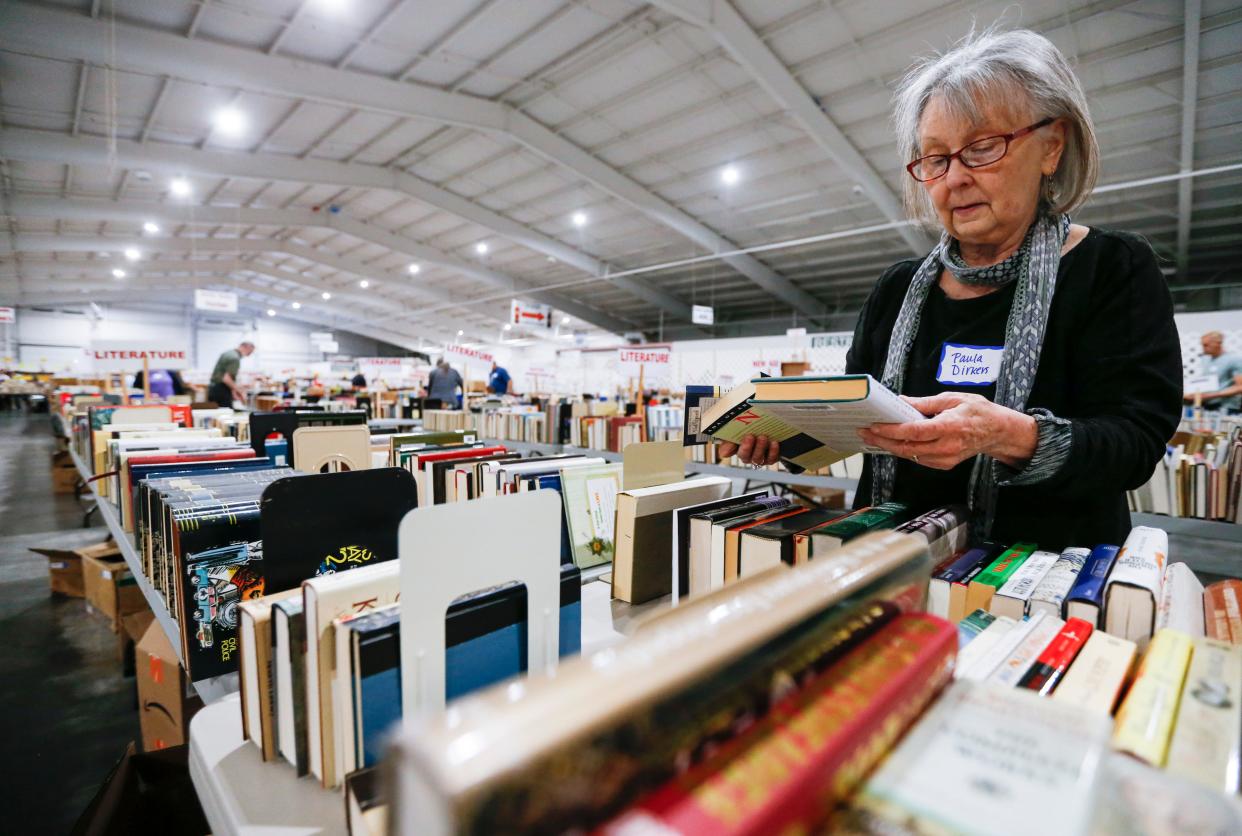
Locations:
(1177, 708)
(516, 423)
(1200, 476)
(321, 673)
(1129, 591)
(447, 419)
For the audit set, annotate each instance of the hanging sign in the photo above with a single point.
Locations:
(328, 347)
(8, 316)
(656, 361)
(391, 370)
(530, 314)
(702, 314)
(841, 340)
(472, 358)
(216, 301)
(127, 355)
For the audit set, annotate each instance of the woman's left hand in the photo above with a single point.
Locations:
(961, 426)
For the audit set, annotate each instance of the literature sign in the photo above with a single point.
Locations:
(652, 359)
(127, 355)
(8, 316)
(216, 301)
(474, 359)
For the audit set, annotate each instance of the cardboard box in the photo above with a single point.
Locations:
(164, 710)
(64, 473)
(64, 566)
(111, 589)
(133, 628)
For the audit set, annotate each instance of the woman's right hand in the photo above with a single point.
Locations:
(752, 450)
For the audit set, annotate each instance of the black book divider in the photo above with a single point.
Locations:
(282, 424)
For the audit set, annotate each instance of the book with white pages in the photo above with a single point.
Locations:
(1181, 601)
(683, 539)
(981, 647)
(1132, 592)
(1010, 671)
(1049, 595)
(999, 651)
(1012, 597)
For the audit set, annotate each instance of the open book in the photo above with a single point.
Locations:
(815, 419)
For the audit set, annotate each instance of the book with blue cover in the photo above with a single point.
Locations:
(1086, 598)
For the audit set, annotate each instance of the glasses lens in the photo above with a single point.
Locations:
(929, 168)
(984, 151)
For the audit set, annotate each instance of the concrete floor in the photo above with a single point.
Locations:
(66, 712)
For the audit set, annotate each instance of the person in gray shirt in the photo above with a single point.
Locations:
(1227, 368)
(443, 383)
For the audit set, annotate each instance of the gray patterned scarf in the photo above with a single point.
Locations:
(1034, 268)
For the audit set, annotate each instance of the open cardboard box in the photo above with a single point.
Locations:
(164, 708)
(111, 589)
(64, 473)
(64, 566)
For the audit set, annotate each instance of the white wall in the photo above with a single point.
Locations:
(54, 339)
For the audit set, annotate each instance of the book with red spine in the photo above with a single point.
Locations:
(786, 773)
(1056, 658)
(615, 424)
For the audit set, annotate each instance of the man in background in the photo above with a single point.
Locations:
(499, 380)
(1227, 369)
(442, 386)
(224, 388)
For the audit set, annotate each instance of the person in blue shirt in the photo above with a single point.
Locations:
(499, 380)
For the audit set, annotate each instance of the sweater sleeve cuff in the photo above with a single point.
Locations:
(1052, 451)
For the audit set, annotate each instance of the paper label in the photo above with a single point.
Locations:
(969, 365)
(602, 502)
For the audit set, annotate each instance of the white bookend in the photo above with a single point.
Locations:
(1012, 669)
(955, 771)
(430, 545)
(1133, 588)
(1181, 601)
(1011, 599)
(1049, 596)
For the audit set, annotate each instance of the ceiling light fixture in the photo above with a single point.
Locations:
(564, 320)
(151, 227)
(414, 269)
(579, 219)
(230, 121)
(481, 248)
(297, 306)
(364, 284)
(729, 175)
(179, 186)
(326, 296)
(132, 253)
(508, 326)
(271, 312)
(460, 333)
(118, 273)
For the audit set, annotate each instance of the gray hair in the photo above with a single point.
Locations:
(1020, 70)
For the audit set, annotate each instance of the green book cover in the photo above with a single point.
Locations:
(972, 625)
(870, 519)
(589, 495)
(1003, 567)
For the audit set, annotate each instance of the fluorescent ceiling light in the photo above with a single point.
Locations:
(297, 306)
(271, 312)
(414, 269)
(579, 219)
(150, 227)
(326, 296)
(508, 326)
(564, 320)
(230, 121)
(460, 333)
(364, 284)
(729, 175)
(179, 186)
(481, 248)
(118, 273)
(132, 253)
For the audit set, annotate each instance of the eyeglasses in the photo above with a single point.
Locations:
(979, 153)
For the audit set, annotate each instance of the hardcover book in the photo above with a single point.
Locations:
(1086, 597)
(691, 527)
(256, 669)
(1012, 597)
(834, 534)
(766, 545)
(1133, 588)
(1010, 672)
(941, 586)
(1207, 740)
(1099, 673)
(1181, 601)
(1049, 596)
(1222, 610)
(984, 585)
(289, 652)
(1055, 659)
(589, 496)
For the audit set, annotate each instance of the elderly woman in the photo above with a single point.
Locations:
(1043, 352)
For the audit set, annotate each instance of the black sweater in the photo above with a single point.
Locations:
(1111, 362)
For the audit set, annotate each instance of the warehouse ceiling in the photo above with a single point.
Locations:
(425, 163)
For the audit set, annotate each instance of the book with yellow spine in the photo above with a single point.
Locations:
(1145, 720)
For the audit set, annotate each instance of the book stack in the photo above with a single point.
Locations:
(680, 728)
(1113, 631)
(514, 423)
(1200, 476)
(447, 419)
(664, 422)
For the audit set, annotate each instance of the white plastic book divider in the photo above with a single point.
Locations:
(435, 571)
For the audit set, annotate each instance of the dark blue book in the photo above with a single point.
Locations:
(553, 482)
(1086, 598)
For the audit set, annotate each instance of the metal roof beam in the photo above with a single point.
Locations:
(1190, 100)
(732, 32)
(38, 30)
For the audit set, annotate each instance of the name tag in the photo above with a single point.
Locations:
(970, 365)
